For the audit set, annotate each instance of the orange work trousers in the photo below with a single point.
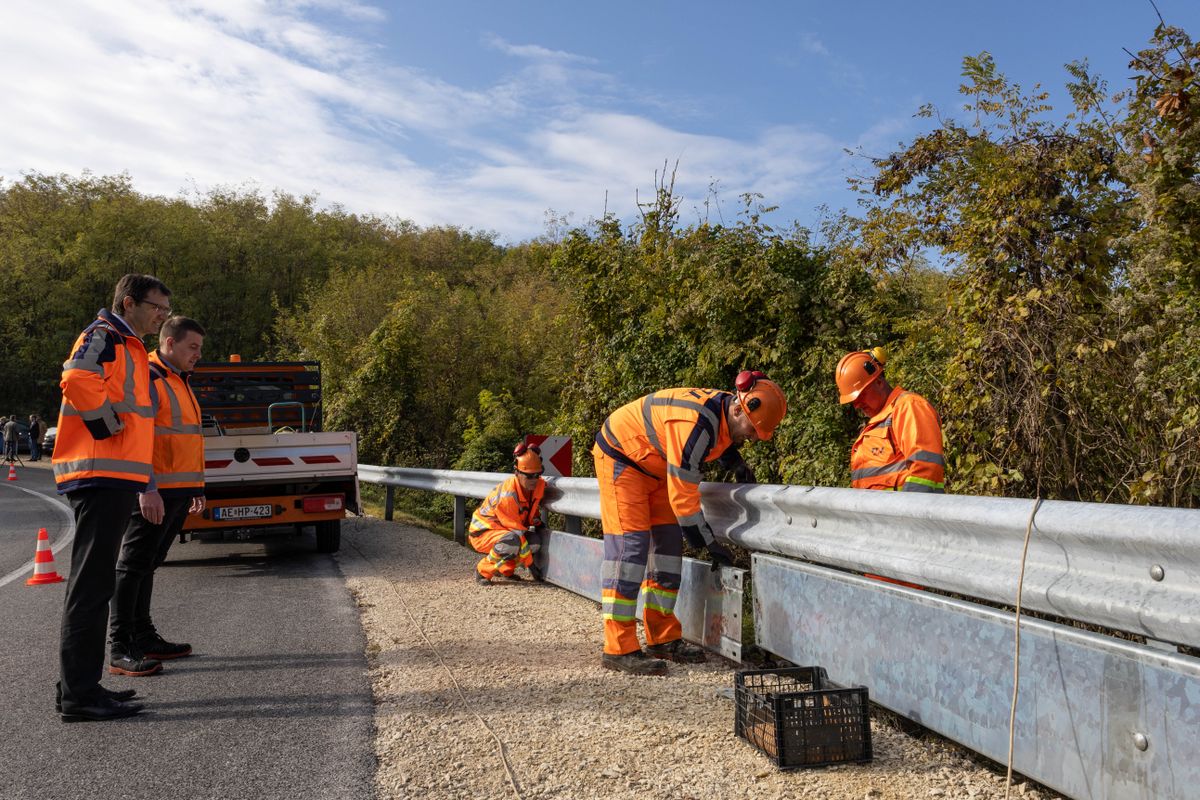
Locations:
(643, 552)
(504, 551)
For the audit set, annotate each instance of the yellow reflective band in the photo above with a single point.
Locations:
(924, 482)
(620, 601)
(661, 609)
(620, 617)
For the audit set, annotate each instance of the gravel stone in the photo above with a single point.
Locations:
(465, 676)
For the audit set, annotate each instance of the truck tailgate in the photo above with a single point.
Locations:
(301, 456)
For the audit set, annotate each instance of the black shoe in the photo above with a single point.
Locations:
(100, 709)
(678, 650)
(536, 573)
(121, 695)
(127, 659)
(635, 663)
(482, 580)
(154, 646)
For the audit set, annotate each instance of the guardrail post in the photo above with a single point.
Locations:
(460, 519)
(389, 502)
(573, 525)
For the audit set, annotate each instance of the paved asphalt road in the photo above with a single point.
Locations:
(275, 702)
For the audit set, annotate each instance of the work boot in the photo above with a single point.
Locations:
(154, 646)
(677, 650)
(126, 659)
(512, 577)
(122, 695)
(482, 580)
(635, 663)
(536, 573)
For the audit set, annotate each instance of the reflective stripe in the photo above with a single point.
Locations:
(179, 477)
(101, 465)
(85, 365)
(886, 469)
(699, 408)
(685, 475)
(699, 451)
(622, 571)
(670, 565)
(914, 484)
(176, 414)
(615, 617)
(695, 520)
(928, 457)
(124, 407)
(648, 424)
(887, 423)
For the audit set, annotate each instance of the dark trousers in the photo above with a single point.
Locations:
(143, 550)
(35, 449)
(100, 519)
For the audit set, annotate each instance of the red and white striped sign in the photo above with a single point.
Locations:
(556, 454)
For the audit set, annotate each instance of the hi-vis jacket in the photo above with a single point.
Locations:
(508, 508)
(900, 448)
(178, 441)
(106, 423)
(670, 435)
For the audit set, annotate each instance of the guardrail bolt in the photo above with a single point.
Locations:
(1157, 572)
(1140, 741)
(814, 522)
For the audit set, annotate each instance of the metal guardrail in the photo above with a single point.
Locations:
(1098, 717)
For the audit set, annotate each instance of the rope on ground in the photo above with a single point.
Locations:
(1012, 712)
(503, 749)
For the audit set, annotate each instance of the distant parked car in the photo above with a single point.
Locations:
(48, 441)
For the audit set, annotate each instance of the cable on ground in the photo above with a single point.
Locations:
(512, 778)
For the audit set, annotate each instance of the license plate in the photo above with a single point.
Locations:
(242, 512)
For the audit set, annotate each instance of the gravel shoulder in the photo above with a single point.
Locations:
(468, 677)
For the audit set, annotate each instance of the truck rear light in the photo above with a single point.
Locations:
(316, 505)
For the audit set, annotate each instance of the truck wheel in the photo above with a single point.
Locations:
(329, 536)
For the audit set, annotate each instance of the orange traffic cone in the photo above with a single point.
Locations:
(43, 562)
(12, 471)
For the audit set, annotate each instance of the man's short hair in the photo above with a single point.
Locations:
(178, 327)
(136, 287)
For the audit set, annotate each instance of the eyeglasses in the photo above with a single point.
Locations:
(163, 309)
(524, 474)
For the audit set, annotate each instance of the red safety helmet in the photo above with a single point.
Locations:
(858, 370)
(762, 401)
(528, 459)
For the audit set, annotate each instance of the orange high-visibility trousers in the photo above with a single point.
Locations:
(643, 551)
(504, 551)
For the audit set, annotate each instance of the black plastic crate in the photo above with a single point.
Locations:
(799, 718)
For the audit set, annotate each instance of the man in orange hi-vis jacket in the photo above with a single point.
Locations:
(900, 447)
(507, 527)
(648, 457)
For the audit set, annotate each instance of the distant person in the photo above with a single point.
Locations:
(176, 488)
(102, 459)
(12, 434)
(37, 429)
(900, 447)
(648, 456)
(507, 527)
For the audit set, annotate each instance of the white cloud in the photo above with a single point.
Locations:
(810, 43)
(225, 92)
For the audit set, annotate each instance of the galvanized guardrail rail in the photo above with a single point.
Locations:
(1098, 716)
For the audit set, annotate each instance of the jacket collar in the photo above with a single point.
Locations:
(117, 322)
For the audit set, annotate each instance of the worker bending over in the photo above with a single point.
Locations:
(648, 457)
(507, 527)
(900, 447)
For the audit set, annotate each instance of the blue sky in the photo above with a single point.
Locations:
(487, 115)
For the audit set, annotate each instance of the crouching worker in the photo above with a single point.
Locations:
(648, 456)
(507, 527)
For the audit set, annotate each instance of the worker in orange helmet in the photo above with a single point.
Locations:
(507, 527)
(900, 447)
(648, 457)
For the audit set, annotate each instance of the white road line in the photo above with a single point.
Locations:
(60, 507)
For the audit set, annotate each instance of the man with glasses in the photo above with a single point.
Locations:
(102, 458)
(507, 527)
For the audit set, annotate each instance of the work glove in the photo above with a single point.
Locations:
(720, 555)
(743, 474)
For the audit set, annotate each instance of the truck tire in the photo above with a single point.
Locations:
(329, 536)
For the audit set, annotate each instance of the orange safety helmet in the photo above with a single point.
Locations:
(856, 371)
(528, 458)
(762, 401)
